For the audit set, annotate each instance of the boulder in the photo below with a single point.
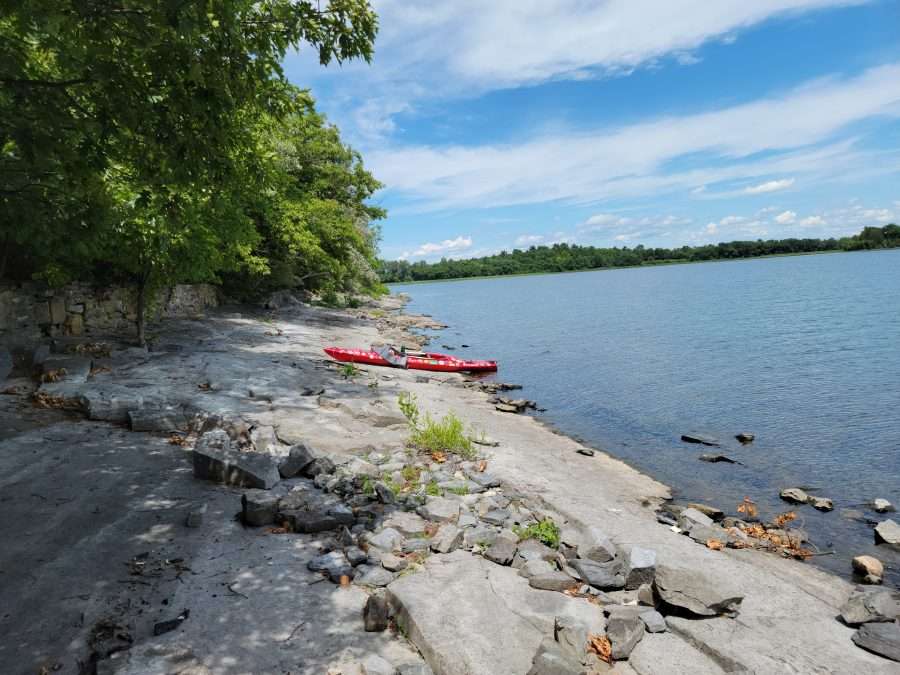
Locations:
(406, 523)
(597, 547)
(571, 635)
(535, 567)
(377, 577)
(624, 632)
(215, 459)
(711, 511)
(702, 439)
(871, 605)
(496, 516)
(532, 549)
(448, 538)
(821, 503)
(300, 456)
(640, 566)
(552, 581)
(887, 532)
(393, 563)
(550, 660)
(386, 540)
(503, 550)
(259, 507)
(881, 638)
(869, 568)
(694, 592)
(440, 509)
(794, 495)
(882, 506)
(604, 576)
(479, 536)
(654, 621)
(745, 438)
(376, 613)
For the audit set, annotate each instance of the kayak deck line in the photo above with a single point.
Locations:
(414, 360)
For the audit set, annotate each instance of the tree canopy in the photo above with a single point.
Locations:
(144, 140)
(569, 258)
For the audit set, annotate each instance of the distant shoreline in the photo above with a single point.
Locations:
(663, 263)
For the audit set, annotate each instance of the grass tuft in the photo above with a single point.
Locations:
(545, 531)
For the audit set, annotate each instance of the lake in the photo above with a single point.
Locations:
(803, 352)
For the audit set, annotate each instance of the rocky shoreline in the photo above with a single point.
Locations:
(309, 536)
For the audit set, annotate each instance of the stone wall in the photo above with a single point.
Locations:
(33, 310)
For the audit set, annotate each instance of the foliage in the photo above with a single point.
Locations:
(460, 490)
(142, 143)
(409, 407)
(545, 531)
(433, 489)
(445, 435)
(567, 258)
(349, 371)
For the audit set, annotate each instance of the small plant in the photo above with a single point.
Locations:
(433, 489)
(446, 435)
(349, 371)
(545, 531)
(410, 408)
(410, 473)
(368, 486)
(460, 490)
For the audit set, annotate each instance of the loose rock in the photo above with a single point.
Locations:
(301, 456)
(377, 577)
(502, 550)
(869, 568)
(821, 503)
(259, 507)
(624, 633)
(215, 459)
(598, 547)
(376, 613)
(887, 532)
(554, 581)
(880, 638)
(654, 621)
(386, 540)
(408, 524)
(195, 516)
(604, 576)
(694, 592)
(871, 604)
(882, 506)
(448, 538)
(640, 567)
(440, 509)
(794, 495)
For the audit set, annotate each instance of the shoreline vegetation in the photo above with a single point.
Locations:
(561, 258)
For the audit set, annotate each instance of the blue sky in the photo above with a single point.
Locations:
(622, 122)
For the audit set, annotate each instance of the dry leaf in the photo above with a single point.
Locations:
(748, 508)
(98, 370)
(784, 518)
(714, 544)
(482, 465)
(439, 457)
(41, 399)
(54, 375)
(177, 439)
(600, 645)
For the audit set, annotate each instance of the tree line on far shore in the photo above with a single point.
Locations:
(154, 143)
(570, 258)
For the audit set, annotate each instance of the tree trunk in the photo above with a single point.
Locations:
(141, 310)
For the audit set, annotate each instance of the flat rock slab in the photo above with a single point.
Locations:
(887, 532)
(215, 460)
(469, 616)
(666, 654)
(881, 638)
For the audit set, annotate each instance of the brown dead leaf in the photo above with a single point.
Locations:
(714, 544)
(99, 369)
(430, 529)
(439, 456)
(178, 439)
(96, 349)
(784, 518)
(54, 375)
(748, 508)
(482, 465)
(41, 399)
(600, 645)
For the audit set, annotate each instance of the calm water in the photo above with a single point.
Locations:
(804, 352)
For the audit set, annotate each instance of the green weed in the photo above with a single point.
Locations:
(433, 489)
(545, 531)
(349, 371)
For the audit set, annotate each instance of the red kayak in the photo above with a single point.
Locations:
(414, 360)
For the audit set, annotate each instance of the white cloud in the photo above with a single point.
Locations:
(431, 249)
(878, 215)
(731, 220)
(769, 186)
(786, 217)
(630, 160)
(712, 228)
(813, 221)
(529, 239)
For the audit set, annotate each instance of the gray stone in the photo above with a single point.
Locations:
(502, 551)
(165, 419)
(342, 513)
(360, 467)
(704, 533)
(406, 523)
(881, 638)
(393, 563)
(466, 520)
(645, 595)
(794, 495)
(882, 506)
(214, 459)
(440, 509)
(745, 438)
(259, 507)
(598, 547)
(549, 660)
(689, 517)
(386, 540)
(654, 621)
(320, 465)
(532, 549)
(571, 635)
(195, 516)
(693, 591)
(821, 503)
(640, 566)
(869, 568)
(376, 613)
(711, 511)
(479, 536)
(887, 532)
(300, 456)
(624, 632)
(552, 581)
(6, 363)
(373, 576)
(496, 516)
(335, 564)
(308, 522)
(448, 538)
(263, 438)
(484, 480)
(871, 605)
(375, 665)
(415, 544)
(355, 555)
(535, 567)
(384, 494)
(604, 576)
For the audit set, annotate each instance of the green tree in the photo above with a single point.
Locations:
(132, 136)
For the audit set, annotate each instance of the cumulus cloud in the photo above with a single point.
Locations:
(769, 186)
(632, 160)
(529, 239)
(813, 221)
(432, 249)
(786, 217)
(731, 220)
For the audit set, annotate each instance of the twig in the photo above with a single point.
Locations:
(294, 632)
(229, 587)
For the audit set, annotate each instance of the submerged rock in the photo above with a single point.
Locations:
(794, 495)
(717, 458)
(821, 503)
(869, 568)
(745, 438)
(882, 506)
(702, 439)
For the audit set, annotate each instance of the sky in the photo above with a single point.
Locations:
(514, 123)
